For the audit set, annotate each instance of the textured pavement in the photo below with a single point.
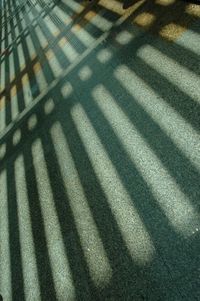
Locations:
(99, 150)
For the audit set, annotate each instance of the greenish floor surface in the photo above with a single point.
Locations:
(99, 154)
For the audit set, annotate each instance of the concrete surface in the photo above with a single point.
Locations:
(99, 150)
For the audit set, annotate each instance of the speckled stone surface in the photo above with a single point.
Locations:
(99, 150)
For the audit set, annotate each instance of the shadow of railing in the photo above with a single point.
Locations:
(95, 212)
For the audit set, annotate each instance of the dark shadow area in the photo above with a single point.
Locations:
(192, 1)
(128, 3)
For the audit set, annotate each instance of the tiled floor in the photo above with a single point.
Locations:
(99, 150)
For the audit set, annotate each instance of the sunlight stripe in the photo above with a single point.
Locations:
(93, 248)
(176, 127)
(2, 114)
(27, 93)
(91, 16)
(62, 15)
(2, 74)
(21, 57)
(12, 71)
(69, 51)
(173, 202)
(40, 37)
(83, 35)
(53, 62)
(14, 102)
(178, 75)
(31, 48)
(59, 263)
(133, 230)
(190, 40)
(51, 28)
(31, 284)
(99, 21)
(5, 261)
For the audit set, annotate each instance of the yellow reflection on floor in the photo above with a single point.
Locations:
(145, 19)
(166, 18)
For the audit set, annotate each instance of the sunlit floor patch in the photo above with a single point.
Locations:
(145, 19)
(193, 10)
